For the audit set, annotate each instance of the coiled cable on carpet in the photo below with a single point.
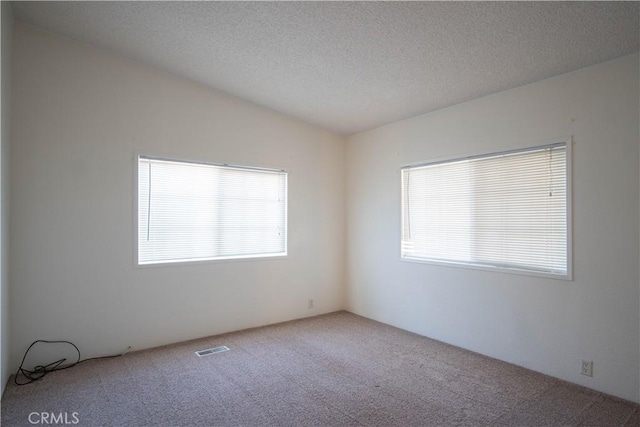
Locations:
(40, 371)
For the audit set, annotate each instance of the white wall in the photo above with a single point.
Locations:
(7, 29)
(543, 324)
(79, 115)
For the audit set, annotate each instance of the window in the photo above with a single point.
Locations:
(506, 211)
(196, 211)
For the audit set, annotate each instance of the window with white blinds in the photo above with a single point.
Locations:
(196, 211)
(505, 210)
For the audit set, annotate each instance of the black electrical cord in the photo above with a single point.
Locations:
(40, 371)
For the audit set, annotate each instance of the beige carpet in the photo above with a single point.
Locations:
(334, 370)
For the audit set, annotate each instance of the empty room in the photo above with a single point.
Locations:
(320, 213)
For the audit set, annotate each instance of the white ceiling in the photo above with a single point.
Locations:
(352, 66)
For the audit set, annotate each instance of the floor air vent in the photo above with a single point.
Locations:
(211, 351)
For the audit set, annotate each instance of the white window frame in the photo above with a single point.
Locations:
(240, 258)
(502, 269)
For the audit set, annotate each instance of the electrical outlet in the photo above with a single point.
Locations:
(310, 303)
(586, 368)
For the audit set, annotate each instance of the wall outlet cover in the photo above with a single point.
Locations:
(586, 367)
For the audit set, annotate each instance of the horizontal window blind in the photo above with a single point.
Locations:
(194, 211)
(504, 210)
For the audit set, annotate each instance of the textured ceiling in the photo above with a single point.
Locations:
(352, 66)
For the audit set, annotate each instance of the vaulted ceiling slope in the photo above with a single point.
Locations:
(352, 66)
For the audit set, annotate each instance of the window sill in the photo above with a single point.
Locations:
(507, 270)
(211, 261)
